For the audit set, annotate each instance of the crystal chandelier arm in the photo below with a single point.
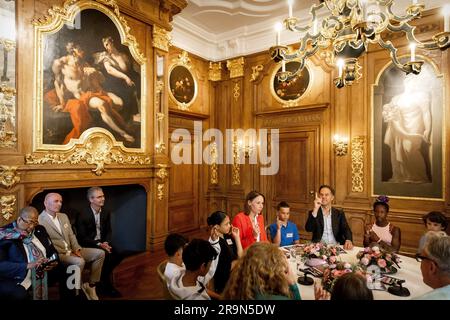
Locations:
(408, 67)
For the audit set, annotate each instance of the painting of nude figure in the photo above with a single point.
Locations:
(90, 80)
(408, 140)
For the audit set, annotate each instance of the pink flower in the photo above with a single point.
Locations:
(381, 263)
(365, 261)
(333, 259)
(324, 257)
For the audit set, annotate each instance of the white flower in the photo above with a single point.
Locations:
(365, 261)
(347, 265)
(376, 249)
(317, 254)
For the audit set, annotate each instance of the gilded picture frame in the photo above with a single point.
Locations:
(90, 78)
(408, 141)
(183, 86)
(289, 93)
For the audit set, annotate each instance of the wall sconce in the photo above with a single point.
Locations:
(246, 148)
(340, 145)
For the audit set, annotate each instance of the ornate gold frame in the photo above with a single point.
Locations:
(183, 60)
(56, 18)
(290, 103)
(438, 74)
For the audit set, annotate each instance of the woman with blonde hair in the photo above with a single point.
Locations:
(263, 273)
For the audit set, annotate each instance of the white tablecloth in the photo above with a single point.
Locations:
(409, 271)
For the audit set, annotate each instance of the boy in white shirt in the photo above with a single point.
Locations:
(173, 246)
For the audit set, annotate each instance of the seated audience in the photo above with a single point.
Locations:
(434, 221)
(93, 227)
(251, 222)
(328, 224)
(70, 252)
(435, 265)
(263, 273)
(24, 245)
(350, 286)
(230, 248)
(382, 231)
(284, 232)
(173, 245)
(197, 257)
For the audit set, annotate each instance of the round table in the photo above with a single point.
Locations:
(409, 271)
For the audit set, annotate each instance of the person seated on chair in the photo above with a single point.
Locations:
(435, 265)
(190, 284)
(173, 245)
(70, 252)
(93, 227)
(327, 223)
(24, 245)
(382, 232)
(434, 221)
(350, 286)
(230, 248)
(284, 232)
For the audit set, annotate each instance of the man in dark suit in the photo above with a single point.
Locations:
(24, 245)
(93, 227)
(328, 224)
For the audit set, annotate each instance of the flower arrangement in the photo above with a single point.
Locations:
(327, 253)
(334, 272)
(385, 260)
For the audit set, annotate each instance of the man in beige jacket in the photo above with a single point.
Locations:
(70, 252)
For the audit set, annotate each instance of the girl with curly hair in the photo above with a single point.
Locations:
(382, 231)
(263, 273)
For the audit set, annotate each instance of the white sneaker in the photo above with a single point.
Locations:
(89, 291)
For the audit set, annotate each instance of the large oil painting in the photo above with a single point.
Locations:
(407, 129)
(90, 80)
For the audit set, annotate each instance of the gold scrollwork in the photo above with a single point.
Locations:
(8, 204)
(236, 91)
(9, 176)
(236, 168)
(358, 164)
(98, 148)
(214, 167)
(256, 72)
(162, 38)
(215, 71)
(162, 174)
(183, 60)
(7, 117)
(236, 67)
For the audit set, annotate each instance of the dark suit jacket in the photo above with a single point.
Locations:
(341, 230)
(86, 230)
(13, 257)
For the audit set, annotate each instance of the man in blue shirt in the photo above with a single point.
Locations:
(284, 232)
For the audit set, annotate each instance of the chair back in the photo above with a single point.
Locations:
(167, 294)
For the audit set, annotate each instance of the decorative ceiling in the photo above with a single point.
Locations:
(218, 29)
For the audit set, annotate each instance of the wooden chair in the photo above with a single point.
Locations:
(167, 294)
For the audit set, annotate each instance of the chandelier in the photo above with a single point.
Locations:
(347, 29)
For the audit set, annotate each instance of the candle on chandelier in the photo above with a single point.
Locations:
(290, 4)
(283, 66)
(414, 1)
(412, 46)
(278, 27)
(363, 4)
(447, 18)
(340, 64)
(315, 27)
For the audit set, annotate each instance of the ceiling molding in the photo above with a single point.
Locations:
(189, 35)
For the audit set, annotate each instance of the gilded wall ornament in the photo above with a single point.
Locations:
(236, 91)
(162, 38)
(162, 174)
(236, 67)
(358, 164)
(236, 168)
(9, 176)
(214, 179)
(8, 204)
(256, 72)
(7, 117)
(215, 71)
(98, 148)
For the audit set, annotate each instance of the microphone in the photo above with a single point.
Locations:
(305, 280)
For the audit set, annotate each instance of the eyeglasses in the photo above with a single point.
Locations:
(420, 258)
(32, 222)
